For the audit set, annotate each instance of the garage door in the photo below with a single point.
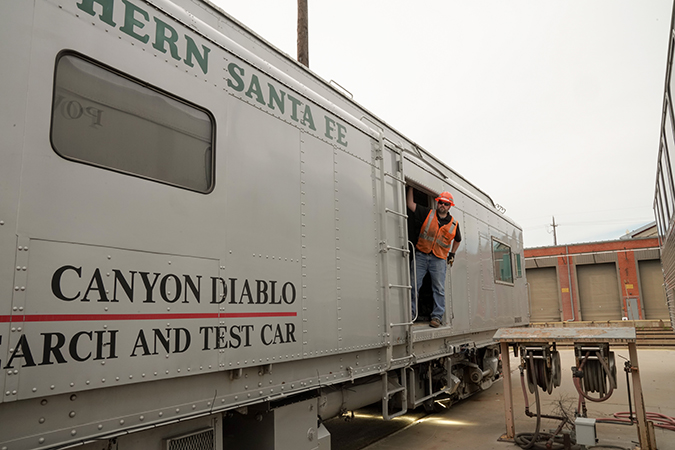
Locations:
(544, 301)
(599, 292)
(651, 283)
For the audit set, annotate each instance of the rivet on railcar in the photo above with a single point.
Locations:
(436, 236)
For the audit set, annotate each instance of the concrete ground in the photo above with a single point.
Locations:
(478, 422)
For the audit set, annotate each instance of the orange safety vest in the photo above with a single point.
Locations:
(435, 239)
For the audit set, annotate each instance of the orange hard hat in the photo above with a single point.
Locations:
(446, 197)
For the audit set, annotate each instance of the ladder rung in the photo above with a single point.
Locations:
(404, 250)
(405, 358)
(395, 212)
(400, 286)
(398, 389)
(395, 177)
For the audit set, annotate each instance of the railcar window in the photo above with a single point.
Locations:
(102, 118)
(661, 206)
(672, 68)
(668, 132)
(668, 172)
(501, 258)
(518, 265)
(659, 213)
(667, 182)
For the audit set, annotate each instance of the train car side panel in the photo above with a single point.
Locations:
(14, 74)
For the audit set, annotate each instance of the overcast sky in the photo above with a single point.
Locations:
(553, 108)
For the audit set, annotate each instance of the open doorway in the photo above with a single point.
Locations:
(425, 303)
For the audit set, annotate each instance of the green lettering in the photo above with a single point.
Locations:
(342, 133)
(274, 98)
(330, 126)
(161, 38)
(130, 22)
(192, 50)
(296, 103)
(254, 89)
(307, 118)
(233, 69)
(106, 7)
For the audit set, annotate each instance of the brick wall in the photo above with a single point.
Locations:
(627, 270)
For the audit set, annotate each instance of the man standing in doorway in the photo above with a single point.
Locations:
(438, 240)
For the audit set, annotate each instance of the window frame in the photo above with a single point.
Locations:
(494, 267)
(149, 87)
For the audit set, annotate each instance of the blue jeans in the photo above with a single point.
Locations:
(436, 267)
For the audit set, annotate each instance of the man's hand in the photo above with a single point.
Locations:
(451, 258)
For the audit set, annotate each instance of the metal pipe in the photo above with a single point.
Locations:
(569, 283)
(349, 398)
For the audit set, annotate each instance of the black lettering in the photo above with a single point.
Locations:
(56, 282)
(149, 287)
(128, 289)
(284, 295)
(96, 284)
(164, 342)
(142, 343)
(22, 350)
(178, 332)
(205, 331)
(214, 290)
(273, 285)
(190, 286)
(73, 346)
(165, 294)
(232, 291)
(111, 343)
(262, 296)
(234, 334)
(50, 348)
(246, 291)
(290, 332)
(247, 329)
(262, 333)
(220, 337)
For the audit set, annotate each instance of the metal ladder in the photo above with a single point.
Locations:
(396, 387)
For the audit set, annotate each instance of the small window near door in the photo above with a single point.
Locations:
(501, 259)
(517, 257)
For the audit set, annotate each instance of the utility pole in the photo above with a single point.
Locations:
(303, 38)
(555, 237)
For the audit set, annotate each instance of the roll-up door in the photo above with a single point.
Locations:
(544, 301)
(599, 292)
(653, 296)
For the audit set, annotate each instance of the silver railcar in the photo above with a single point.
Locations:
(664, 194)
(204, 245)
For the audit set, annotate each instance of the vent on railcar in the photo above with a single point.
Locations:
(199, 440)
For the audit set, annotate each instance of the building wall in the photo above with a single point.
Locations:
(625, 254)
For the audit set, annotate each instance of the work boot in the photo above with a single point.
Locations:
(435, 322)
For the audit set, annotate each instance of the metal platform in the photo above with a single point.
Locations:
(610, 335)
